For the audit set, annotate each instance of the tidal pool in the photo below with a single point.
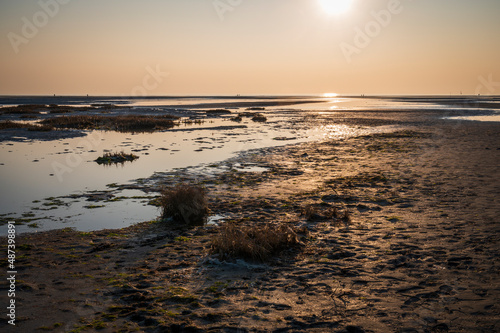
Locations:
(34, 172)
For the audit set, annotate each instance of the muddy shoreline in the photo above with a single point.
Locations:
(419, 255)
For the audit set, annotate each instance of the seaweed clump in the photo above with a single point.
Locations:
(115, 158)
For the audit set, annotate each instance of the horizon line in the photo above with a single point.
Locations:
(322, 95)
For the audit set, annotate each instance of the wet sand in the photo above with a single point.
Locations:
(420, 254)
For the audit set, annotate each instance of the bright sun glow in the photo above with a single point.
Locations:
(330, 95)
(334, 7)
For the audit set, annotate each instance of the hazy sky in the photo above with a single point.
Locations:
(225, 47)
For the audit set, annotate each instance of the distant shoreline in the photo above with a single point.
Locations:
(222, 101)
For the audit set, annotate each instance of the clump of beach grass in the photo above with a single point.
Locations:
(185, 204)
(115, 158)
(256, 243)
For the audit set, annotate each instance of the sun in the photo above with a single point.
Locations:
(335, 7)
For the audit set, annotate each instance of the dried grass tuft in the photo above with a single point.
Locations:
(257, 243)
(186, 204)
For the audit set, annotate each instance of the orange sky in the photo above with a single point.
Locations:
(205, 47)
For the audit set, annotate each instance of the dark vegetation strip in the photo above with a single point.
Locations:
(128, 123)
(54, 108)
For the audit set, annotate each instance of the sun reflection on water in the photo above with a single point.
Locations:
(330, 95)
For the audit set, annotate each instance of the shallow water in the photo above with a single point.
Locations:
(495, 118)
(343, 103)
(37, 171)
(33, 172)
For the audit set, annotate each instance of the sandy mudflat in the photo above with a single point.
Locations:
(421, 253)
